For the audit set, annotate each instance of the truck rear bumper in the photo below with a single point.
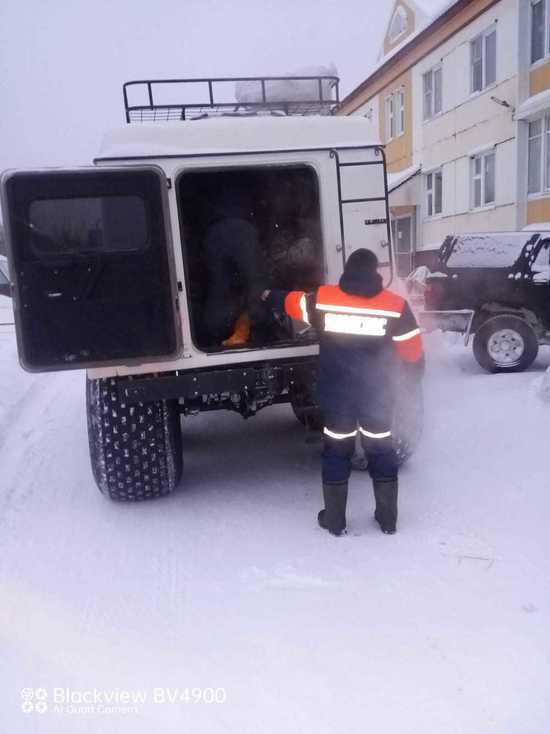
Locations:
(459, 321)
(246, 388)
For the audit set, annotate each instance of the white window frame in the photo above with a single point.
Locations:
(429, 111)
(483, 37)
(543, 159)
(402, 14)
(546, 39)
(395, 114)
(390, 118)
(484, 204)
(400, 96)
(430, 193)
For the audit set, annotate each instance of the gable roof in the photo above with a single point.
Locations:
(425, 13)
(441, 11)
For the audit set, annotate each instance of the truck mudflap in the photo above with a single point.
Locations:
(459, 321)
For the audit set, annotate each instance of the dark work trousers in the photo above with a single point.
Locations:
(236, 277)
(339, 437)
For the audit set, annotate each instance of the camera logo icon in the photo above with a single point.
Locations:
(34, 700)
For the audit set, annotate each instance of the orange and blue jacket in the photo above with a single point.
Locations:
(361, 339)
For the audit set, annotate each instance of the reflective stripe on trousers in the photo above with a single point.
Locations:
(352, 434)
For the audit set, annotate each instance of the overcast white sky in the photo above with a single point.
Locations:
(63, 62)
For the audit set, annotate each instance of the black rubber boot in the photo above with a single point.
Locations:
(333, 517)
(385, 494)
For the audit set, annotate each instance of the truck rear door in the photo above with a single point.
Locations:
(90, 260)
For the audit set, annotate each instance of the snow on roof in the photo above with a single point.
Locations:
(441, 7)
(533, 105)
(437, 8)
(289, 89)
(395, 180)
(487, 249)
(234, 135)
(537, 227)
(431, 8)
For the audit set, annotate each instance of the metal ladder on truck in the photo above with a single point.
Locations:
(371, 156)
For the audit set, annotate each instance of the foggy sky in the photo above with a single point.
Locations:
(62, 63)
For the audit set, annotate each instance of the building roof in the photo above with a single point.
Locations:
(533, 106)
(431, 8)
(432, 11)
(235, 135)
(395, 180)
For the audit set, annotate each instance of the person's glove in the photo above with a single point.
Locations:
(274, 299)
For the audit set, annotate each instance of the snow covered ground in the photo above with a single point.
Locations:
(229, 584)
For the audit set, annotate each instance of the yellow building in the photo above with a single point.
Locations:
(461, 99)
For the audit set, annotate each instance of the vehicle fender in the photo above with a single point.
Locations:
(487, 310)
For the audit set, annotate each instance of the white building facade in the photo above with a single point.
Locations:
(470, 150)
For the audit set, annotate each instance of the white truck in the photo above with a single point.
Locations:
(109, 270)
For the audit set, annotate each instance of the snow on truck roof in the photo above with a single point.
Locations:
(235, 135)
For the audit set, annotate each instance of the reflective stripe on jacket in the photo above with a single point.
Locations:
(358, 321)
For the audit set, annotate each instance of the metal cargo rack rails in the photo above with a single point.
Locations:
(190, 99)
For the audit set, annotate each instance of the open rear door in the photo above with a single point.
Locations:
(90, 260)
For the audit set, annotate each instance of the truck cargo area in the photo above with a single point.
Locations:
(245, 230)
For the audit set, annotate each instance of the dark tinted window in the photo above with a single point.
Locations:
(84, 224)
(89, 256)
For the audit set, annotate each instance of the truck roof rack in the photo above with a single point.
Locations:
(190, 99)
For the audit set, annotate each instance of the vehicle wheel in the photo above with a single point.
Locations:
(505, 344)
(408, 419)
(305, 409)
(135, 450)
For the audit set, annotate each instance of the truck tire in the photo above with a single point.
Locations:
(135, 450)
(505, 343)
(408, 419)
(310, 416)
(305, 408)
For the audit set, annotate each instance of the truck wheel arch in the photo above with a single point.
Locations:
(490, 309)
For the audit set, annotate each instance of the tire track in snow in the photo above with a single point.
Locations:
(26, 449)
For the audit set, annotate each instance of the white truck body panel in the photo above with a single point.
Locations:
(176, 147)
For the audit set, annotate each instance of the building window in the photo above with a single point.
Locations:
(483, 180)
(433, 92)
(539, 30)
(483, 51)
(434, 193)
(538, 159)
(395, 114)
(390, 119)
(398, 24)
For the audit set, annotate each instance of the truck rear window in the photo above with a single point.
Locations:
(87, 224)
(499, 250)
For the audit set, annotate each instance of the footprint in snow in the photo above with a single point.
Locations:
(283, 578)
(468, 548)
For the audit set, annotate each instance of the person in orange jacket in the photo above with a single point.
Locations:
(365, 332)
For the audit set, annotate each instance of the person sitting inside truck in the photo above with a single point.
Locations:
(364, 331)
(233, 313)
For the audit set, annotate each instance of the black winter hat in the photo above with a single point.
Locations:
(361, 277)
(361, 261)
